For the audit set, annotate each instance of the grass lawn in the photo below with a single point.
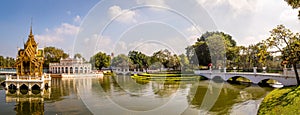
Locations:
(283, 101)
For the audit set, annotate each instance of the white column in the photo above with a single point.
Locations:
(73, 69)
(254, 70)
(69, 70)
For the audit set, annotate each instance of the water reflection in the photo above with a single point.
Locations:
(123, 95)
(28, 102)
(230, 95)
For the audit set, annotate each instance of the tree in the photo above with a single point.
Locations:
(295, 5)
(78, 55)
(216, 44)
(100, 60)
(201, 53)
(53, 55)
(288, 44)
(139, 59)
(184, 62)
(162, 56)
(263, 54)
(122, 61)
(7, 62)
(174, 62)
(198, 54)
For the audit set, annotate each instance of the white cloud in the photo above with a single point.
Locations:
(193, 33)
(77, 19)
(62, 36)
(161, 3)
(248, 40)
(237, 6)
(289, 15)
(125, 15)
(66, 29)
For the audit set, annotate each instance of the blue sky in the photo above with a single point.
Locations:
(89, 26)
(16, 19)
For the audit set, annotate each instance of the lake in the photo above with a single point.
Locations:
(122, 95)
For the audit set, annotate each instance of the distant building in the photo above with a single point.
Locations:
(70, 66)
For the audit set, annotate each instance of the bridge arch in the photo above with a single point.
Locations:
(218, 78)
(36, 87)
(236, 79)
(12, 86)
(268, 82)
(24, 89)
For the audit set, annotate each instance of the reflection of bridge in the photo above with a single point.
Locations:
(285, 79)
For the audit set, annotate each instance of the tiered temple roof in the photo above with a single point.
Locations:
(30, 59)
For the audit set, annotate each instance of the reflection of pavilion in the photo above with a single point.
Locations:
(28, 102)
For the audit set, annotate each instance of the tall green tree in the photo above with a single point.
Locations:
(122, 61)
(162, 56)
(100, 60)
(200, 53)
(288, 44)
(53, 55)
(295, 5)
(139, 59)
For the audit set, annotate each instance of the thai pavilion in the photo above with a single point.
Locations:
(29, 67)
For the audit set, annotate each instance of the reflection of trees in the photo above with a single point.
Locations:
(229, 95)
(126, 83)
(165, 88)
(105, 83)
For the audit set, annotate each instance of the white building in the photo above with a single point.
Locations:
(70, 66)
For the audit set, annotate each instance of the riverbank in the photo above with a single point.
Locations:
(283, 101)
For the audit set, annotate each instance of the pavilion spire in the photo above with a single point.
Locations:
(31, 27)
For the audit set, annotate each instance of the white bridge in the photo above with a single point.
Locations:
(285, 79)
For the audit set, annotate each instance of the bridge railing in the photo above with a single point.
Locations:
(10, 77)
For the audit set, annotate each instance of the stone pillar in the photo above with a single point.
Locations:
(6, 85)
(29, 86)
(68, 68)
(264, 69)
(17, 85)
(254, 70)
(224, 69)
(284, 70)
(234, 69)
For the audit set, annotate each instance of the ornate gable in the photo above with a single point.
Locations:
(30, 60)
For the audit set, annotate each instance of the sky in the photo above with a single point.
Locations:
(118, 26)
